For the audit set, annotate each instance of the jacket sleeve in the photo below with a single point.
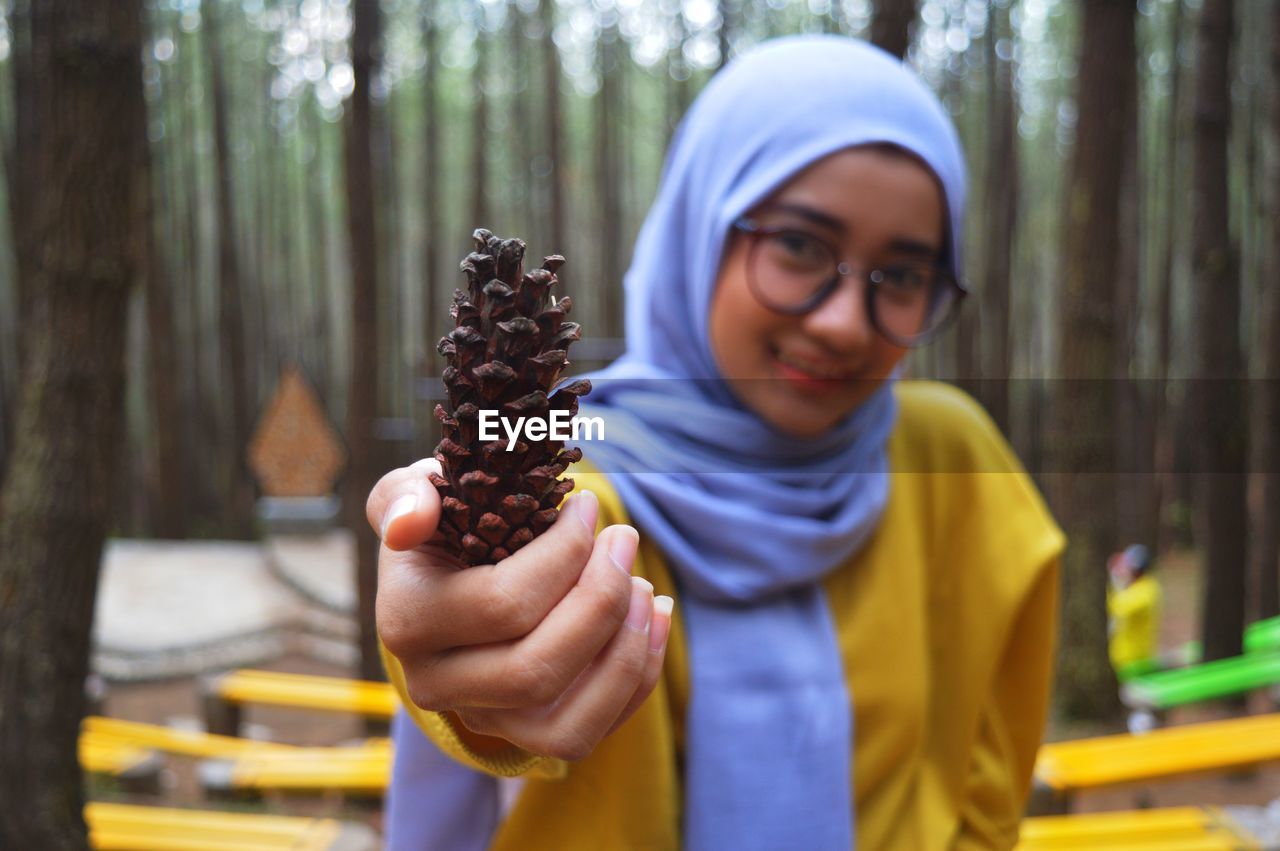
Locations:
(1004, 752)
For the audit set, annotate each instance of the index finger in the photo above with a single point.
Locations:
(404, 507)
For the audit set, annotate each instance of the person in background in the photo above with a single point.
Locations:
(1133, 610)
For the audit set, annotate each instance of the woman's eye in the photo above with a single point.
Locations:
(908, 279)
(800, 247)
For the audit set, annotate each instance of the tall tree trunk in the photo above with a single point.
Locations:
(480, 129)
(230, 297)
(608, 116)
(29, 23)
(362, 378)
(679, 94)
(1266, 556)
(891, 25)
(169, 476)
(1134, 512)
(554, 129)
(433, 228)
(87, 244)
(1218, 409)
(1001, 219)
(724, 34)
(1163, 413)
(1083, 480)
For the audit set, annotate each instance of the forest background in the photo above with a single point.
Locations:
(199, 195)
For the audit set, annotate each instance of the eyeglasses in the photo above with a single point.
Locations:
(792, 271)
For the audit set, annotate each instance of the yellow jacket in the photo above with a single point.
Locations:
(1134, 614)
(947, 625)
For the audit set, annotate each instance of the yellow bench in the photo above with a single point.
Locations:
(362, 769)
(1172, 829)
(224, 694)
(135, 768)
(1064, 768)
(124, 827)
(102, 730)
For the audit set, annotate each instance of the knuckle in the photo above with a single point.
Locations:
(609, 598)
(533, 680)
(569, 744)
(477, 721)
(505, 606)
(632, 664)
(397, 632)
(425, 694)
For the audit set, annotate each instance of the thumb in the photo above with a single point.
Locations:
(404, 507)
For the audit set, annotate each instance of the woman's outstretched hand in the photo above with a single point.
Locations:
(549, 650)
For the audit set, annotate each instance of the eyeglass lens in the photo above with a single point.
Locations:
(792, 270)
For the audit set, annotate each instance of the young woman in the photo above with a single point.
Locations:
(865, 581)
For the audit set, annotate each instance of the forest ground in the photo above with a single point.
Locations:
(162, 702)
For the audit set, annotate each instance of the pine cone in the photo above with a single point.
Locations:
(505, 353)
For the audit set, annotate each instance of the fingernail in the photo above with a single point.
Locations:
(587, 507)
(661, 628)
(402, 506)
(622, 548)
(641, 604)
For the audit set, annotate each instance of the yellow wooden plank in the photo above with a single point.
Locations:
(188, 742)
(306, 691)
(1168, 829)
(1194, 748)
(98, 756)
(115, 827)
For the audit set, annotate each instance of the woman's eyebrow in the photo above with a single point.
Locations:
(912, 247)
(813, 215)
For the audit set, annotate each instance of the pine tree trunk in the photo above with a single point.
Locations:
(609, 111)
(1082, 484)
(724, 34)
(479, 130)
(363, 375)
(1001, 222)
(1220, 424)
(433, 228)
(86, 233)
(891, 24)
(235, 371)
(1163, 413)
(1267, 550)
(1133, 484)
(169, 477)
(554, 129)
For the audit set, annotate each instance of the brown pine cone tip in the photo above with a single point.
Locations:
(506, 351)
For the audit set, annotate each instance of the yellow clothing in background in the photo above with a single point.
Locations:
(1134, 622)
(946, 622)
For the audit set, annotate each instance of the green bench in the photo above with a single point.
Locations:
(1065, 768)
(1164, 690)
(1169, 829)
(1260, 636)
(127, 827)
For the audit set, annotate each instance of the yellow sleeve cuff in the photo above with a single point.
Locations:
(440, 728)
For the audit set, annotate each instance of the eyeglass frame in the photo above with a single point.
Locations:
(874, 277)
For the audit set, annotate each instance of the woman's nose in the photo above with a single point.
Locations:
(842, 322)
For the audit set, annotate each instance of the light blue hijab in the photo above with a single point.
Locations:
(751, 520)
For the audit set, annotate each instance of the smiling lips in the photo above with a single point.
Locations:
(813, 370)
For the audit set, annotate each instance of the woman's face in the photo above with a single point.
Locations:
(803, 374)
